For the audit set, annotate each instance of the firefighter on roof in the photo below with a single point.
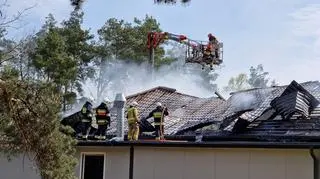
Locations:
(158, 116)
(133, 121)
(103, 119)
(86, 113)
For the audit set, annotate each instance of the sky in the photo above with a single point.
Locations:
(283, 35)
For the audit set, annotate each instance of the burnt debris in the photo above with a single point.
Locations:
(294, 99)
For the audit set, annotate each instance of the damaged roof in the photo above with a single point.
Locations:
(185, 111)
(291, 110)
(281, 111)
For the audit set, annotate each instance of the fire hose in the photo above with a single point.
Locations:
(161, 124)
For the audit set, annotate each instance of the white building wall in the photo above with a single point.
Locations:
(182, 163)
(17, 168)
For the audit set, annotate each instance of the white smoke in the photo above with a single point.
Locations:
(131, 78)
(243, 101)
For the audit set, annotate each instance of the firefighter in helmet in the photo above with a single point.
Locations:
(133, 121)
(212, 45)
(87, 114)
(158, 117)
(102, 119)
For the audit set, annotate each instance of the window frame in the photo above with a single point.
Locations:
(82, 162)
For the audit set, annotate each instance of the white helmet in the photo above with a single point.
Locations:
(158, 104)
(91, 99)
(106, 100)
(134, 103)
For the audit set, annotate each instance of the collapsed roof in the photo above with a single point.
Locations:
(291, 110)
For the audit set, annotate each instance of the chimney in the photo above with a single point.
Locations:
(119, 104)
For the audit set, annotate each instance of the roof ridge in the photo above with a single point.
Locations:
(302, 83)
(274, 86)
(152, 89)
(250, 89)
(172, 90)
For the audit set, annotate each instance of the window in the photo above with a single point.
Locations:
(92, 166)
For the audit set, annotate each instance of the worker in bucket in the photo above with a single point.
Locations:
(158, 117)
(102, 119)
(87, 114)
(212, 46)
(133, 121)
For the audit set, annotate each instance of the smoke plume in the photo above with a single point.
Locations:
(243, 101)
(131, 78)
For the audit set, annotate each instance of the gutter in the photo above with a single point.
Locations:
(131, 164)
(232, 137)
(217, 144)
(315, 164)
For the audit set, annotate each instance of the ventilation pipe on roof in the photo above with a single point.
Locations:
(219, 95)
(119, 104)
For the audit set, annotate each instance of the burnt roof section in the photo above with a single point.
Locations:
(294, 99)
(294, 102)
(264, 103)
(270, 122)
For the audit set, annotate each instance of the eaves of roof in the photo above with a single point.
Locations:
(217, 144)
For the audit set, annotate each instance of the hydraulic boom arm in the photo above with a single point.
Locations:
(156, 38)
(204, 54)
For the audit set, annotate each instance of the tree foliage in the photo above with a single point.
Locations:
(50, 55)
(257, 78)
(128, 41)
(171, 1)
(125, 43)
(77, 4)
(32, 72)
(78, 45)
(238, 83)
(30, 124)
(63, 54)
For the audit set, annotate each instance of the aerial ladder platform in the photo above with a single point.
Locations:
(205, 53)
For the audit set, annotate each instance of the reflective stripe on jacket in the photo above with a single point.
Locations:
(86, 111)
(102, 114)
(102, 121)
(157, 114)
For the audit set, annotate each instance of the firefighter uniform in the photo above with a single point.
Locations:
(86, 113)
(133, 122)
(158, 117)
(102, 120)
(213, 45)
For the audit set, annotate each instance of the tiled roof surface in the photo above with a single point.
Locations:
(249, 110)
(184, 110)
